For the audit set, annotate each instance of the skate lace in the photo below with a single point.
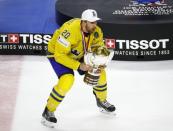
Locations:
(106, 103)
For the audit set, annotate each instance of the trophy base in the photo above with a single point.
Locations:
(91, 79)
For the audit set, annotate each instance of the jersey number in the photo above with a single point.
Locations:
(66, 34)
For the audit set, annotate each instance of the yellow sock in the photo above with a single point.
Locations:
(101, 89)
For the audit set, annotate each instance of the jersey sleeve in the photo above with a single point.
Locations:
(51, 43)
(63, 47)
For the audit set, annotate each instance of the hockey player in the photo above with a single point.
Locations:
(67, 48)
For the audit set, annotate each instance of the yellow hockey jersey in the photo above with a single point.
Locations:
(67, 46)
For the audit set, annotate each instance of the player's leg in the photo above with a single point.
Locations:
(65, 82)
(100, 93)
(59, 91)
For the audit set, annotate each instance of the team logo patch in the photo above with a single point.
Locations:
(63, 41)
(96, 34)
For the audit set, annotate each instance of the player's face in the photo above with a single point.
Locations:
(90, 26)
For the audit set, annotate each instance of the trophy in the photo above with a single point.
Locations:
(98, 57)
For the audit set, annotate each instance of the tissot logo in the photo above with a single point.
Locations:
(110, 43)
(142, 44)
(13, 38)
(25, 38)
(137, 44)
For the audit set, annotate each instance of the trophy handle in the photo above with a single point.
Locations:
(111, 55)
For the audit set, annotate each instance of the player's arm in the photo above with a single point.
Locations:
(63, 48)
(51, 43)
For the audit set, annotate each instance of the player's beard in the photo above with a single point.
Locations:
(89, 29)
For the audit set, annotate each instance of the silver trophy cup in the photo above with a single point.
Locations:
(98, 60)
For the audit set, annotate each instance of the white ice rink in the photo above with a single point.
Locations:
(141, 91)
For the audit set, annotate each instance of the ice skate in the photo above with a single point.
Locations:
(105, 107)
(48, 118)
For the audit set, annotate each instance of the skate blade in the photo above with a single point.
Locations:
(47, 123)
(107, 112)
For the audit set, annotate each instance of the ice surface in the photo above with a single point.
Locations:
(141, 91)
